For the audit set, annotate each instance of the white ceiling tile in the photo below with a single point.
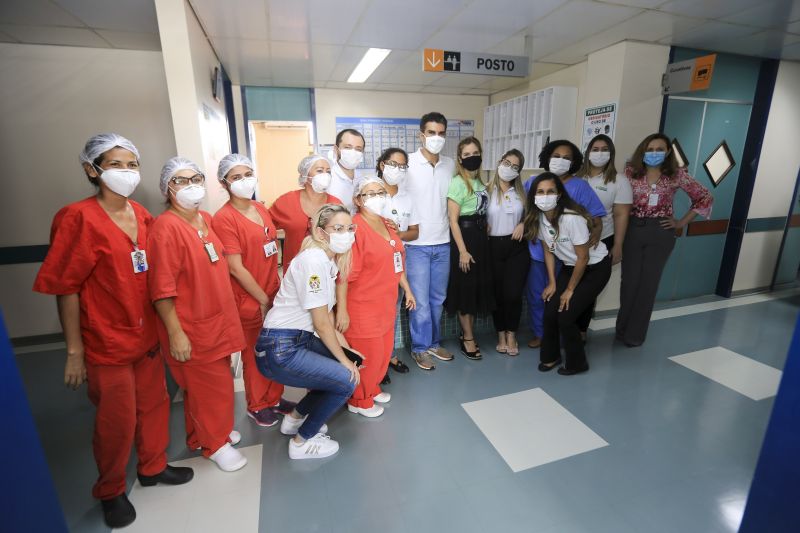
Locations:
(774, 14)
(288, 21)
(131, 40)
(122, 15)
(582, 18)
(710, 9)
(352, 86)
(348, 59)
(243, 19)
(512, 46)
(334, 22)
(443, 90)
(323, 59)
(647, 4)
(390, 64)
(544, 46)
(465, 81)
(768, 43)
(36, 13)
(55, 35)
(456, 38)
(244, 60)
(399, 88)
(708, 35)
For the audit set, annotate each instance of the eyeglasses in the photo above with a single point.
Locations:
(341, 228)
(373, 194)
(180, 181)
(395, 164)
(507, 163)
(237, 177)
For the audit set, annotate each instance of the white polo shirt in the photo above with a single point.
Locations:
(572, 230)
(427, 185)
(503, 216)
(400, 210)
(342, 186)
(309, 283)
(615, 192)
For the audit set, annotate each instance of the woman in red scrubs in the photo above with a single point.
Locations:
(378, 266)
(251, 248)
(292, 211)
(199, 329)
(96, 267)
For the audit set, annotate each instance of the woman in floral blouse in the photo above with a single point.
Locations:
(655, 177)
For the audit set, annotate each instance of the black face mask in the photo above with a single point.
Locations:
(472, 163)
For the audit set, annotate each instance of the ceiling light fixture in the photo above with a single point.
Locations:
(371, 60)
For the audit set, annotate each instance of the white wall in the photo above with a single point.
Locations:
(52, 99)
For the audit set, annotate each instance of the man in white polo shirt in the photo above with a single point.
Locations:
(348, 154)
(428, 257)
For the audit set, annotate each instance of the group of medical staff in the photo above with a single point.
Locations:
(421, 231)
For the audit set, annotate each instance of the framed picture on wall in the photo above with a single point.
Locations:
(719, 163)
(677, 149)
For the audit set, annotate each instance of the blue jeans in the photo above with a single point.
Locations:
(537, 281)
(299, 359)
(427, 269)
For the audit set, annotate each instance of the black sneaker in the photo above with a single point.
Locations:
(171, 475)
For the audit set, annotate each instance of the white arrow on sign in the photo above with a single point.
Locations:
(433, 64)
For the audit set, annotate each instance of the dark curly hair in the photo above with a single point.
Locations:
(547, 152)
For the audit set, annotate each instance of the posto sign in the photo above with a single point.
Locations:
(436, 60)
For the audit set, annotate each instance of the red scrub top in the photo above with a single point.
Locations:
(240, 235)
(373, 282)
(181, 269)
(288, 215)
(90, 256)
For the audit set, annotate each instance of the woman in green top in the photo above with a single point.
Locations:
(469, 290)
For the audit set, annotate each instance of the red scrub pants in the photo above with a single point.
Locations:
(260, 391)
(377, 352)
(207, 403)
(132, 406)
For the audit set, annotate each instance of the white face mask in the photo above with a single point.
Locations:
(434, 144)
(559, 166)
(190, 196)
(350, 158)
(393, 175)
(120, 181)
(375, 204)
(341, 242)
(507, 173)
(546, 202)
(599, 159)
(320, 182)
(245, 187)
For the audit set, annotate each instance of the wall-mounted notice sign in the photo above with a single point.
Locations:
(691, 75)
(436, 60)
(598, 119)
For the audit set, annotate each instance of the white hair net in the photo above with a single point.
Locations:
(172, 167)
(102, 143)
(305, 167)
(230, 161)
(363, 181)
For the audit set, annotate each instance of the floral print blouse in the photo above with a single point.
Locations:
(665, 187)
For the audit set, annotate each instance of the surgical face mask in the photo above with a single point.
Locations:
(245, 187)
(472, 163)
(546, 202)
(375, 204)
(121, 181)
(599, 159)
(320, 182)
(341, 242)
(507, 173)
(654, 159)
(350, 158)
(393, 175)
(434, 144)
(190, 196)
(559, 166)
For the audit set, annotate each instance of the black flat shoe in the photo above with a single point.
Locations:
(564, 372)
(386, 379)
(118, 512)
(171, 475)
(399, 367)
(547, 368)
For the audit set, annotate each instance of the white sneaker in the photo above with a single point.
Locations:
(235, 437)
(317, 447)
(373, 412)
(228, 458)
(290, 425)
(383, 397)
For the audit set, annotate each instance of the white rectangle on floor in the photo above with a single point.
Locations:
(530, 428)
(742, 374)
(211, 502)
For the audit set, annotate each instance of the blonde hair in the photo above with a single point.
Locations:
(494, 183)
(465, 174)
(321, 219)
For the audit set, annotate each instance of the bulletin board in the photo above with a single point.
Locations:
(382, 133)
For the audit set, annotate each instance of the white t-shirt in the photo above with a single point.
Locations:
(427, 185)
(616, 192)
(503, 216)
(342, 186)
(400, 209)
(309, 283)
(572, 231)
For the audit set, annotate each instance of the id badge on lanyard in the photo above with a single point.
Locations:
(508, 205)
(271, 248)
(652, 199)
(209, 246)
(139, 260)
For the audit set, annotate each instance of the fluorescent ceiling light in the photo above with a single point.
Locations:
(371, 60)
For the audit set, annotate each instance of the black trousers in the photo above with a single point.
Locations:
(564, 324)
(510, 263)
(586, 317)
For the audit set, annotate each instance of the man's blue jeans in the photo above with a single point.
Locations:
(297, 358)
(427, 269)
